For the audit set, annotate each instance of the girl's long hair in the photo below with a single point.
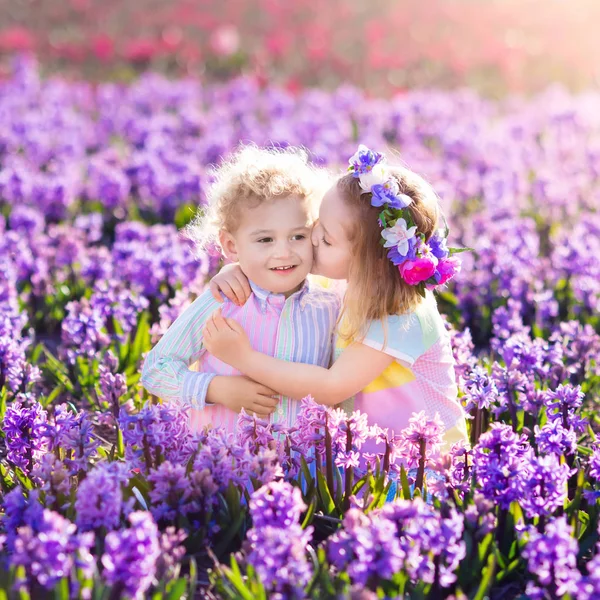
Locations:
(375, 288)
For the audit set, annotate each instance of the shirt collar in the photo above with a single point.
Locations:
(266, 298)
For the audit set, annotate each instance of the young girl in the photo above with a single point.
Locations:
(260, 212)
(377, 228)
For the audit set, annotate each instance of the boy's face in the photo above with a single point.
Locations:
(272, 244)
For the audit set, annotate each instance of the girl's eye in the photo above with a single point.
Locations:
(265, 240)
(325, 241)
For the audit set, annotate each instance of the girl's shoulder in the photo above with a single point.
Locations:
(409, 335)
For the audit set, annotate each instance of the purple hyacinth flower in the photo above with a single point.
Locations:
(21, 510)
(131, 555)
(99, 501)
(52, 552)
(552, 559)
(24, 431)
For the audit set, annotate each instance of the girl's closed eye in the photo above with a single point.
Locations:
(325, 241)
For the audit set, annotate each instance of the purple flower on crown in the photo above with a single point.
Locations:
(398, 259)
(363, 161)
(437, 243)
(389, 193)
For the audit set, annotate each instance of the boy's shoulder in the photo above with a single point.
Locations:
(317, 293)
(207, 302)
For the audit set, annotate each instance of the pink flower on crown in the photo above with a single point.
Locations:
(447, 268)
(418, 270)
(398, 235)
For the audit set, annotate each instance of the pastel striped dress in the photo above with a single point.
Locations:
(420, 378)
(297, 329)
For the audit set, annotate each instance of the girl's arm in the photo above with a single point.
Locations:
(166, 371)
(358, 365)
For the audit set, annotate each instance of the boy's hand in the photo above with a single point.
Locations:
(232, 282)
(237, 391)
(226, 340)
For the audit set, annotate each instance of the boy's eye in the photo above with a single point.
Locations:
(265, 240)
(299, 236)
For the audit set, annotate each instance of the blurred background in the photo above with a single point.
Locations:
(383, 46)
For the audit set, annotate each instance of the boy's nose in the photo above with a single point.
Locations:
(282, 250)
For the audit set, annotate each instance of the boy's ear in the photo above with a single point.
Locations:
(228, 244)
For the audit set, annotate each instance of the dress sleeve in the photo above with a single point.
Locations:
(400, 336)
(166, 372)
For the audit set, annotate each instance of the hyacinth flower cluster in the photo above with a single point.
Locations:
(92, 180)
(276, 546)
(403, 536)
(424, 263)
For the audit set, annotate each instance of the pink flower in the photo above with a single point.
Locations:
(225, 41)
(448, 268)
(418, 270)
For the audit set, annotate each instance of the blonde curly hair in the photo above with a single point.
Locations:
(249, 177)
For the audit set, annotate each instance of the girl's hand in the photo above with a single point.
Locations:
(232, 282)
(226, 340)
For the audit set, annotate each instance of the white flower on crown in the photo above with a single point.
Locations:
(398, 235)
(377, 175)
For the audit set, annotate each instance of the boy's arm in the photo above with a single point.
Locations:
(166, 371)
(358, 365)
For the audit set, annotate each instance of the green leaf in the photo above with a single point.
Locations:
(141, 342)
(508, 569)
(184, 215)
(177, 590)
(23, 479)
(405, 485)
(52, 396)
(484, 546)
(452, 251)
(325, 496)
(226, 536)
(57, 370)
(193, 578)
(235, 577)
(448, 297)
(309, 513)
(61, 589)
(487, 580)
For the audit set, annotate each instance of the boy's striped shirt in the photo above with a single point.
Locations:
(297, 329)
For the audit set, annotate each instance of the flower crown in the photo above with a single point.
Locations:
(424, 263)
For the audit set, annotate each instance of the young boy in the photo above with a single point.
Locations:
(260, 213)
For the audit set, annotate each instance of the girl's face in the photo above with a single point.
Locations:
(332, 249)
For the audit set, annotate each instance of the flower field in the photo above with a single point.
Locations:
(106, 493)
